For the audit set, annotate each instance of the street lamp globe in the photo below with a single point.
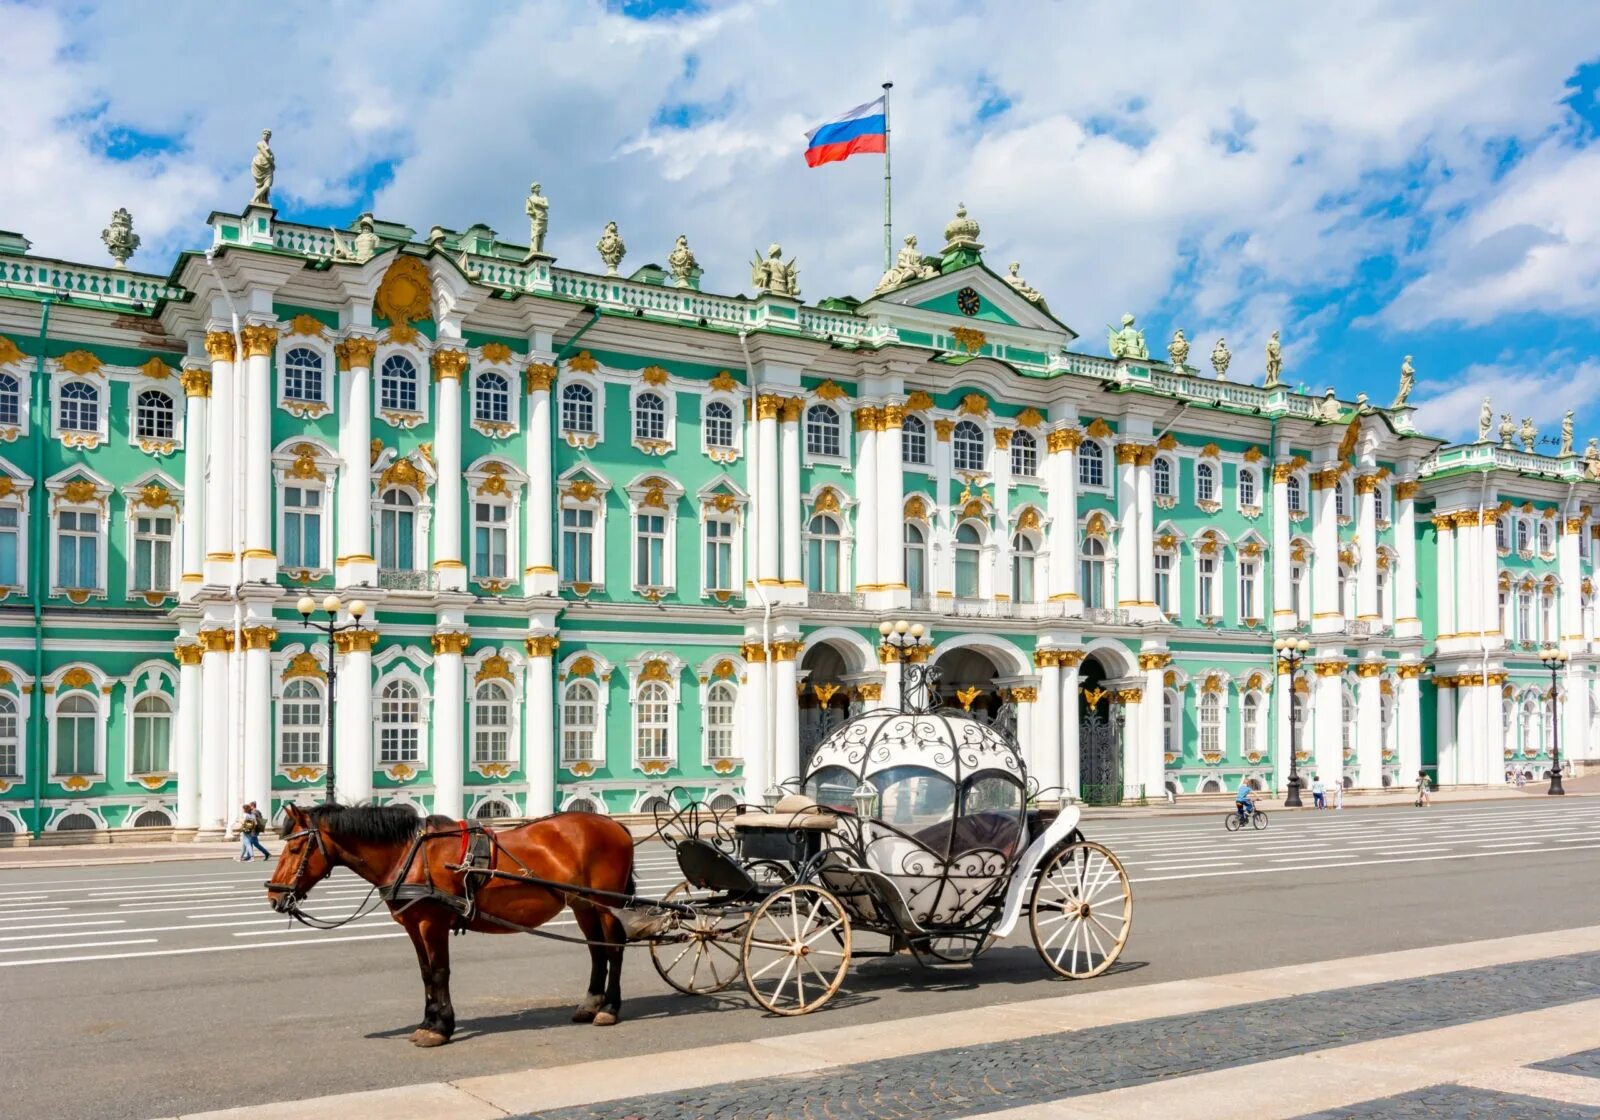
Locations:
(1303, 646)
(306, 605)
(886, 628)
(916, 631)
(902, 626)
(358, 608)
(331, 604)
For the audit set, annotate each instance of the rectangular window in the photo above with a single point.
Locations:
(719, 555)
(75, 745)
(1247, 592)
(1208, 587)
(10, 547)
(1164, 582)
(10, 763)
(490, 540)
(151, 744)
(1297, 579)
(650, 550)
(302, 527)
(577, 546)
(79, 549)
(152, 554)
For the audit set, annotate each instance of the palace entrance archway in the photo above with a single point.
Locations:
(1099, 735)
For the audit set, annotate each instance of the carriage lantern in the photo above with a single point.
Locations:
(771, 797)
(866, 800)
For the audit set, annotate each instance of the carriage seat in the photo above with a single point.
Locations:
(990, 829)
(794, 810)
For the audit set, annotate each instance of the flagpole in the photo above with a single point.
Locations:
(888, 231)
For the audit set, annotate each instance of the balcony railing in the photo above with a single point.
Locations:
(402, 580)
(833, 601)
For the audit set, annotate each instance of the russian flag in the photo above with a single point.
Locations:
(862, 129)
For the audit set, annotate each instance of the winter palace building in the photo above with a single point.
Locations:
(618, 535)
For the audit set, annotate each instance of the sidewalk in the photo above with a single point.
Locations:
(106, 855)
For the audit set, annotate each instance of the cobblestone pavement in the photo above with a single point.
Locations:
(1584, 1064)
(966, 1081)
(1458, 1102)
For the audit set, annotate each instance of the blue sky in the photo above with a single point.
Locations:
(1392, 178)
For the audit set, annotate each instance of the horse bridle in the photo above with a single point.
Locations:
(286, 896)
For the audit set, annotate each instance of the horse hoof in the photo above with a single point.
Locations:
(605, 1019)
(428, 1039)
(584, 1015)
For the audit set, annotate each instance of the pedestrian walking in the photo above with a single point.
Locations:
(1319, 793)
(251, 823)
(1522, 778)
(1338, 796)
(1424, 792)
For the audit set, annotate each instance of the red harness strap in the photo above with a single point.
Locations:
(464, 842)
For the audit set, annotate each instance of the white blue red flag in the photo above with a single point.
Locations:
(863, 129)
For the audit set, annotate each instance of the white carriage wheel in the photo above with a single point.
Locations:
(796, 949)
(698, 958)
(1081, 911)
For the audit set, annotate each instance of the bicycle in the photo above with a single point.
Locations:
(1256, 817)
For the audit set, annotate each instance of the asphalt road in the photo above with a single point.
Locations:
(145, 991)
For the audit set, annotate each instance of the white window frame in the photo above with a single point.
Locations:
(397, 417)
(98, 691)
(735, 448)
(843, 429)
(672, 494)
(285, 462)
(926, 462)
(495, 481)
(723, 488)
(1212, 471)
(1249, 568)
(400, 663)
(596, 506)
(673, 686)
(422, 509)
(1083, 458)
(1024, 445)
(1106, 562)
(669, 419)
(1245, 471)
(1221, 724)
(1172, 728)
(132, 515)
(279, 700)
(1171, 491)
(1546, 536)
(513, 729)
(1296, 484)
(597, 408)
(87, 438)
(21, 709)
(20, 373)
(923, 547)
(984, 550)
(808, 534)
(1253, 700)
(734, 754)
(382, 724)
(975, 464)
(1207, 586)
(18, 500)
(155, 445)
(1034, 555)
(158, 681)
(601, 682)
(306, 407)
(100, 505)
(1174, 582)
(487, 426)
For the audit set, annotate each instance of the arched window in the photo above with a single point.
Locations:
(1525, 615)
(1341, 500)
(1091, 464)
(491, 724)
(1205, 483)
(1347, 723)
(492, 809)
(491, 400)
(1508, 723)
(152, 735)
(397, 531)
(1384, 611)
(1247, 486)
(399, 723)
(302, 375)
(1297, 717)
(1547, 537)
(1532, 730)
(1502, 535)
(654, 707)
(1524, 535)
(80, 407)
(1092, 572)
(1161, 473)
(914, 441)
(1024, 555)
(1250, 724)
(1547, 614)
(579, 719)
(300, 724)
(967, 447)
(1024, 455)
(10, 741)
(719, 425)
(916, 559)
(577, 409)
(822, 430)
(1380, 512)
(153, 416)
(1211, 723)
(152, 818)
(75, 734)
(969, 548)
(397, 384)
(10, 401)
(1347, 599)
(822, 554)
(1295, 495)
(650, 417)
(1172, 721)
(719, 720)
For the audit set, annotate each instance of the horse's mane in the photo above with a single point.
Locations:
(381, 824)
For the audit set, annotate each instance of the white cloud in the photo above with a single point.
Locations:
(1543, 392)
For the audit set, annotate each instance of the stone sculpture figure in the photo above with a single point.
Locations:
(1014, 277)
(1221, 356)
(1126, 342)
(682, 263)
(1528, 434)
(1508, 430)
(1408, 382)
(1566, 435)
(1591, 458)
(1330, 409)
(908, 266)
(1178, 350)
(771, 275)
(366, 243)
(262, 168)
(1485, 420)
(611, 248)
(119, 237)
(1274, 362)
(538, 210)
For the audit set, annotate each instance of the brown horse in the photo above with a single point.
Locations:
(377, 842)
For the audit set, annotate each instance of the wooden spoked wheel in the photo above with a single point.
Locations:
(699, 956)
(796, 949)
(1082, 909)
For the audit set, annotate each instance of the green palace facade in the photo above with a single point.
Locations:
(617, 535)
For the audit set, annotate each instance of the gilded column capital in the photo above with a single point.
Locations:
(1366, 483)
(542, 645)
(1444, 681)
(1496, 679)
(869, 691)
(540, 377)
(1149, 661)
(356, 353)
(449, 365)
(1574, 524)
(894, 416)
(1465, 519)
(355, 641)
(786, 651)
(196, 382)
(1064, 439)
(1025, 694)
(1129, 695)
(259, 637)
(1490, 516)
(219, 344)
(915, 655)
(1369, 669)
(942, 430)
(1411, 672)
(188, 653)
(1330, 668)
(1070, 658)
(1127, 454)
(1405, 491)
(259, 340)
(791, 409)
(1002, 438)
(888, 654)
(768, 406)
(456, 642)
(752, 652)
(868, 419)
(218, 640)
(1147, 455)
(1046, 658)
(1442, 522)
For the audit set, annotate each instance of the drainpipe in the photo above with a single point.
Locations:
(1493, 711)
(571, 343)
(768, 723)
(39, 511)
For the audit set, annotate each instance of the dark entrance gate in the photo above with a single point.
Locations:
(1099, 738)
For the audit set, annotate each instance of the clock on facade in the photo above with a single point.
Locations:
(968, 300)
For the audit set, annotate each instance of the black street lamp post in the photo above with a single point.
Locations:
(1555, 660)
(332, 627)
(917, 678)
(1291, 654)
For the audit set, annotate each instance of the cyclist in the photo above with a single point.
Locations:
(1242, 802)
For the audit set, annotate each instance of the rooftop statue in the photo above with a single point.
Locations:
(611, 248)
(1528, 434)
(1220, 357)
(908, 266)
(1485, 420)
(366, 243)
(119, 237)
(261, 170)
(1274, 362)
(538, 210)
(1408, 382)
(772, 276)
(1508, 430)
(1178, 350)
(682, 263)
(1014, 277)
(1566, 435)
(1127, 342)
(1329, 409)
(1591, 458)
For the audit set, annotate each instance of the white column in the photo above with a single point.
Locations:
(891, 502)
(260, 561)
(1000, 558)
(1574, 716)
(186, 733)
(448, 367)
(1469, 574)
(893, 680)
(1128, 535)
(1404, 577)
(1326, 618)
(541, 577)
(941, 554)
(354, 755)
(539, 719)
(1071, 721)
(257, 769)
(1369, 726)
(1408, 723)
(1044, 759)
(1283, 714)
(1283, 616)
(219, 452)
(1444, 550)
(355, 564)
(1154, 706)
(753, 716)
(1493, 730)
(215, 736)
(1445, 745)
(197, 396)
(448, 718)
(767, 515)
(1135, 743)
(866, 487)
(1062, 503)
(1367, 556)
(1571, 584)
(786, 710)
(1327, 718)
(791, 518)
(1145, 484)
